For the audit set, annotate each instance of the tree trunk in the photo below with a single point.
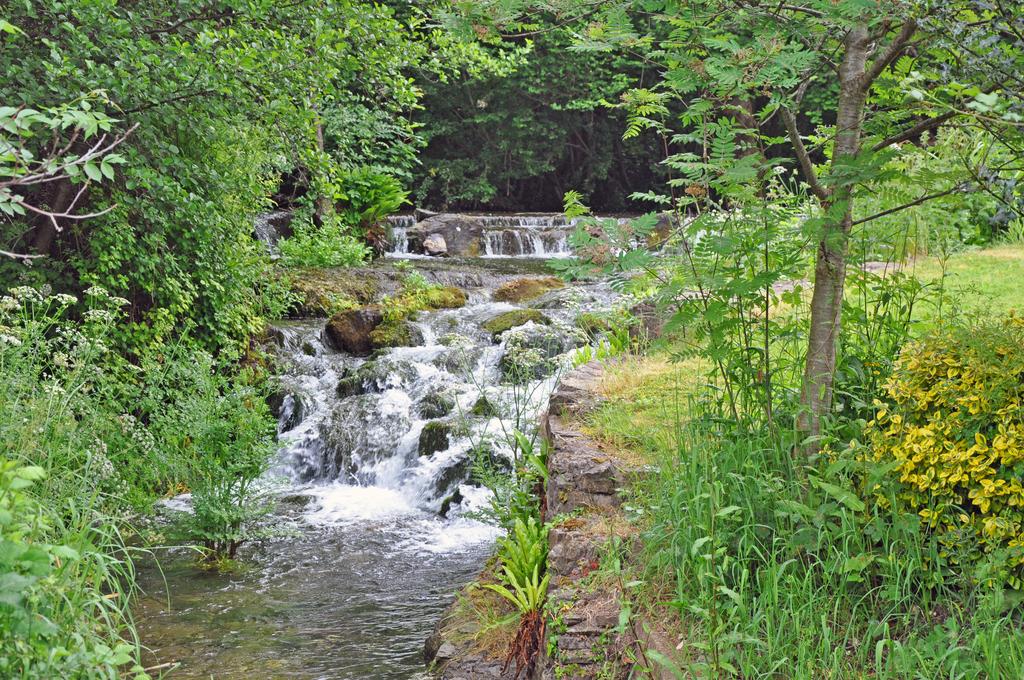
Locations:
(830, 265)
(324, 205)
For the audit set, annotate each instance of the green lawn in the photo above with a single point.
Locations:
(989, 281)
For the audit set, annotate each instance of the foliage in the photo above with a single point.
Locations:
(368, 197)
(767, 562)
(223, 102)
(523, 557)
(519, 137)
(65, 572)
(329, 245)
(37, 146)
(968, 215)
(880, 309)
(515, 494)
(224, 428)
(59, 599)
(951, 431)
(101, 437)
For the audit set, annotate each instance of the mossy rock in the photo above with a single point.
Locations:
(483, 407)
(323, 292)
(513, 319)
(521, 290)
(395, 334)
(437, 405)
(434, 437)
(350, 386)
(592, 324)
(452, 499)
(445, 297)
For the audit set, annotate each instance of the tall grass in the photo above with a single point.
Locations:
(777, 568)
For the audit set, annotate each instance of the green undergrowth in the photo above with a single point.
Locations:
(757, 562)
(417, 294)
(88, 442)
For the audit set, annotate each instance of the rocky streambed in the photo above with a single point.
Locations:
(377, 505)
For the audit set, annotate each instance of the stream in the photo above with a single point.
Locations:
(375, 519)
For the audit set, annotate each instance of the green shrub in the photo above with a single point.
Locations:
(65, 574)
(327, 246)
(86, 438)
(368, 196)
(951, 429)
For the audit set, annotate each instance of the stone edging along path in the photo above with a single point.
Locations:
(583, 496)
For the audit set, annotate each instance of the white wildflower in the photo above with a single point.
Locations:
(99, 315)
(96, 291)
(26, 293)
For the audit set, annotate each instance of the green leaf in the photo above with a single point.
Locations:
(844, 496)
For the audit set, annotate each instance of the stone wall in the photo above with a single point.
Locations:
(583, 497)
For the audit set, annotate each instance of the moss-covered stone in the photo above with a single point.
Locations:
(350, 386)
(323, 292)
(521, 290)
(395, 334)
(436, 405)
(434, 437)
(445, 297)
(592, 324)
(513, 319)
(453, 499)
(483, 407)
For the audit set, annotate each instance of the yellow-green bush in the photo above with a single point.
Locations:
(953, 427)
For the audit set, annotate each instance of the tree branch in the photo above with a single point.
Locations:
(802, 156)
(911, 132)
(918, 201)
(19, 256)
(890, 53)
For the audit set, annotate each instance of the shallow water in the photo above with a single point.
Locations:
(353, 593)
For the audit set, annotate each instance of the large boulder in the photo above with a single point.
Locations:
(349, 331)
(396, 334)
(435, 245)
(462, 235)
(497, 325)
(528, 288)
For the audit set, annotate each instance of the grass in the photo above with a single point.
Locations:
(637, 419)
(761, 564)
(987, 281)
(763, 574)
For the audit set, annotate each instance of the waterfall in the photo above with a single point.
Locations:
(267, 229)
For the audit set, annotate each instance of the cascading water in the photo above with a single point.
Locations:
(501, 236)
(371, 449)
